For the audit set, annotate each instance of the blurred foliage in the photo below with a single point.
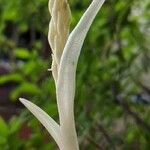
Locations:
(114, 57)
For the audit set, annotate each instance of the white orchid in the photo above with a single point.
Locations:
(64, 73)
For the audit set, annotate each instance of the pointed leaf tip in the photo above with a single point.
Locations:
(22, 100)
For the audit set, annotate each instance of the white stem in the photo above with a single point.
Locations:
(66, 76)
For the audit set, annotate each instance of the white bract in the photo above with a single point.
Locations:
(64, 133)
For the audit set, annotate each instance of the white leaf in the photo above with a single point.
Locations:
(52, 127)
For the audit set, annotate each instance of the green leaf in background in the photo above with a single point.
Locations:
(14, 77)
(24, 88)
(15, 124)
(23, 27)
(22, 53)
(3, 140)
(4, 130)
(10, 14)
